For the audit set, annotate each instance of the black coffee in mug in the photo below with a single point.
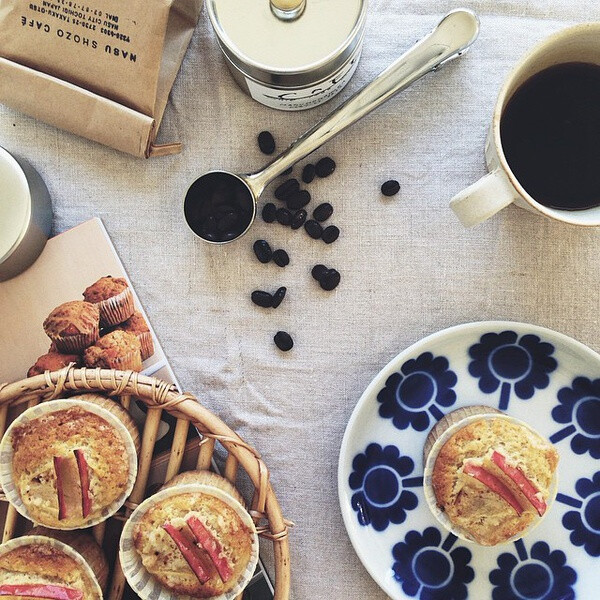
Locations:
(550, 132)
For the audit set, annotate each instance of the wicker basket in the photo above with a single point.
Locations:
(158, 396)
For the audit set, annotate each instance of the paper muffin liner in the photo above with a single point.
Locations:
(116, 309)
(75, 344)
(35, 412)
(147, 343)
(453, 423)
(27, 540)
(142, 582)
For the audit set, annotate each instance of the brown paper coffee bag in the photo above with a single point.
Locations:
(99, 68)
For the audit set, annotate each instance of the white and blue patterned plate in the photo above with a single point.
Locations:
(542, 377)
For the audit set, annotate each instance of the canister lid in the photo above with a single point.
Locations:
(251, 35)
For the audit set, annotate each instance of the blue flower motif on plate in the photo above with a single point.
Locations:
(542, 575)
(584, 523)
(505, 361)
(429, 571)
(379, 477)
(423, 385)
(579, 408)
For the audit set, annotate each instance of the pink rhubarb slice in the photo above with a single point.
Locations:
(529, 490)
(190, 552)
(493, 483)
(84, 478)
(211, 544)
(41, 590)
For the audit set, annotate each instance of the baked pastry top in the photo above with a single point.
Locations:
(112, 349)
(53, 361)
(220, 527)
(135, 324)
(104, 288)
(41, 564)
(73, 318)
(68, 465)
(492, 479)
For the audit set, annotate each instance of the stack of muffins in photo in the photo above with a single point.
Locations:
(102, 330)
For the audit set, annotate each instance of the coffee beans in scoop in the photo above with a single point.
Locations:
(390, 188)
(283, 341)
(325, 167)
(263, 251)
(266, 142)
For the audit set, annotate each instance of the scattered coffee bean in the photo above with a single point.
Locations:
(266, 142)
(286, 172)
(298, 219)
(278, 297)
(287, 188)
(283, 341)
(330, 234)
(263, 251)
(263, 299)
(390, 188)
(284, 216)
(268, 212)
(322, 212)
(308, 173)
(298, 199)
(281, 258)
(314, 229)
(318, 271)
(329, 280)
(325, 167)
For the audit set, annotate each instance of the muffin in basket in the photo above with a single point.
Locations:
(137, 325)
(53, 361)
(113, 297)
(489, 478)
(68, 464)
(73, 326)
(193, 537)
(41, 566)
(115, 350)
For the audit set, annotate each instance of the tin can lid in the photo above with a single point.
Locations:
(255, 39)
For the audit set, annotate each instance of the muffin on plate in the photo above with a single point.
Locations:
(113, 297)
(53, 361)
(492, 477)
(67, 464)
(40, 566)
(137, 325)
(115, 350)
(194, 539)
(73, 326)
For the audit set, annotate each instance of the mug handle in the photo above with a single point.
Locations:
(484, 198)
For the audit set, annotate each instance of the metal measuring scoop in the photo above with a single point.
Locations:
(220, 206)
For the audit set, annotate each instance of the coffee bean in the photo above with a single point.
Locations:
(308, 173)
(313, 229)
(263, 299)
(390, 188)
(298, 219)
(330, 234)
(287, 188)
(322, 212)
(325, 167)
(284, 216)
(268, 212)
(263, 251)
(298, 199)
(209, 225)
(281, 258)
(278, 297)
(283, 341)
(266, 142)
(286, 172)
(329, 280)
(318, 271)
(227, 221)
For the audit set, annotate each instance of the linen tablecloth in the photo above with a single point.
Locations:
(408, 267)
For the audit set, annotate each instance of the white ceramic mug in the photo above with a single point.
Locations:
(25, 215)
(500, 187)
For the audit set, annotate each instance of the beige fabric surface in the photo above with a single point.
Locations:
(408, 267)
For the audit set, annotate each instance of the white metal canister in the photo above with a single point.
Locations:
(290, 54)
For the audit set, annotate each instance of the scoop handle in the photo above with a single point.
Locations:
(452, 37)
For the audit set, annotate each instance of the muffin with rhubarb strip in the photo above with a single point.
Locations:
(67, 464)
(489, 478)
(193, 539)
(41, 566)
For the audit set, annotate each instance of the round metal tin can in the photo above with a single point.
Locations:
(290, 60)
